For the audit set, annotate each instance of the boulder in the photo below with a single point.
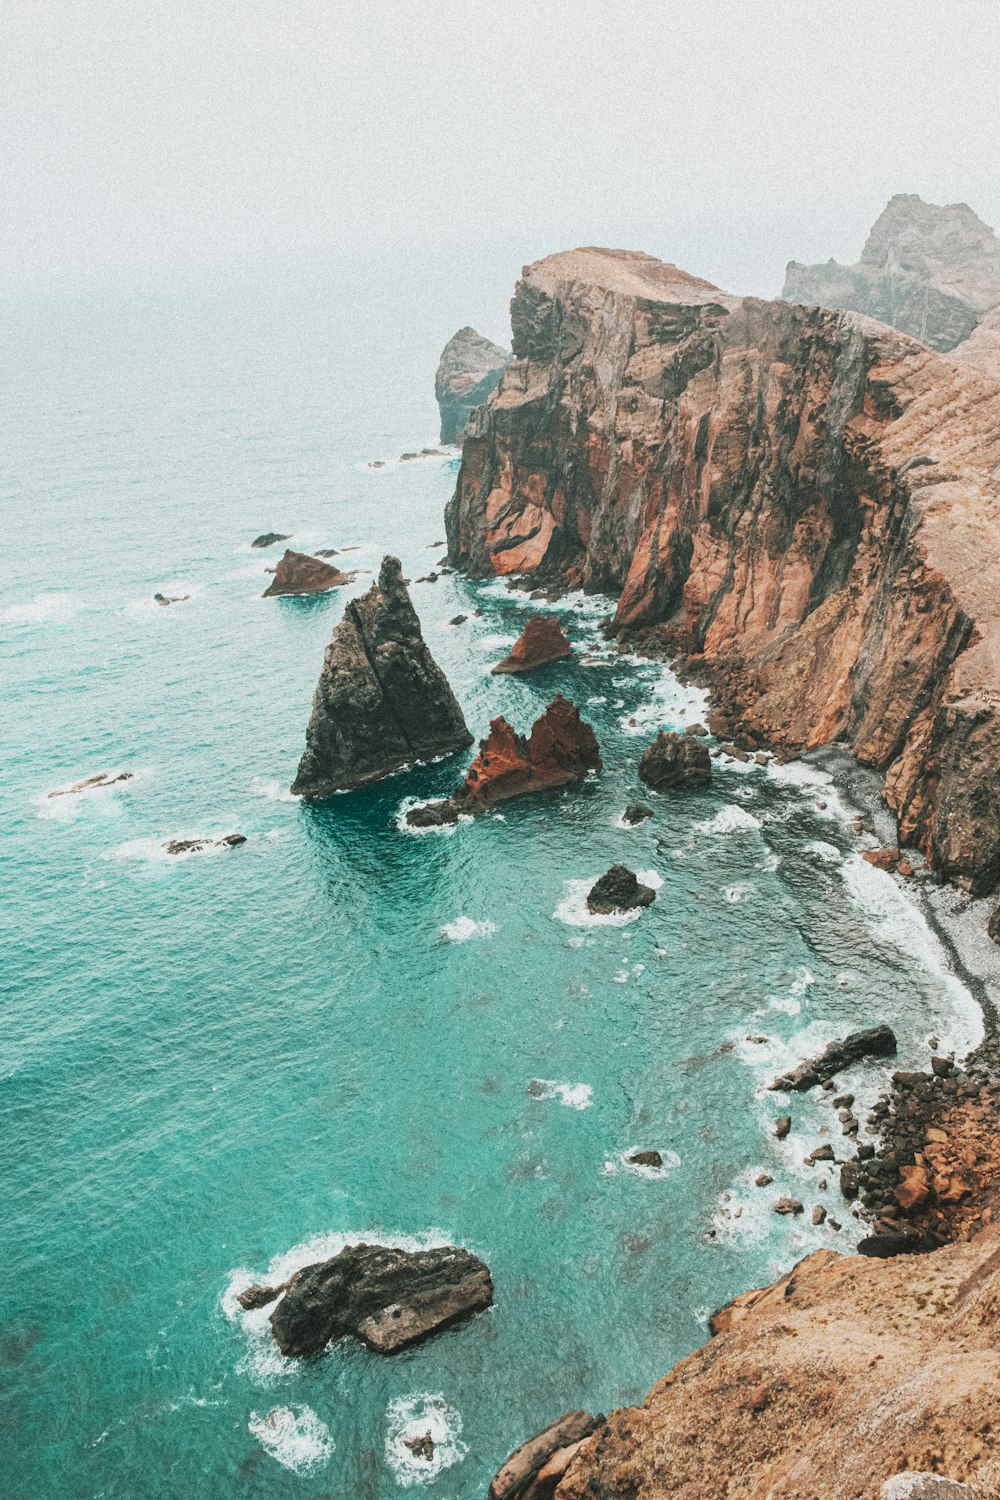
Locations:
(381, 701)
(541, 641)
(636, 812)
(874, 1041)
(675, 760)
(782, 1126)
(618, 891)
(788, 1206)
(469, 370)
(268, 538)
(389, 1299)
(882, 859)
(298, 573)
(528, 1461)
(645, 1159)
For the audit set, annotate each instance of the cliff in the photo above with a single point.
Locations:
(801, 503)
(381, 701)
(926, 270)
(469, 370)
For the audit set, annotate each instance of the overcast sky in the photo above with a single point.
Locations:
(727, 135)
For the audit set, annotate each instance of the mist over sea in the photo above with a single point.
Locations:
(226, 1064)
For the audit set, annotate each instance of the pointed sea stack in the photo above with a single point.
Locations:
(298, 573)
(468, 372)
(381, 701)
(542, 640)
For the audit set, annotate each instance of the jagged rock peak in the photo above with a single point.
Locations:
(927, 270)
(469, 369)
(381, 701)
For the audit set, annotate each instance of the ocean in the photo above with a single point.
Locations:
(221, 1065)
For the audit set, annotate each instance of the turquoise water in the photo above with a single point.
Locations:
(342, 1029)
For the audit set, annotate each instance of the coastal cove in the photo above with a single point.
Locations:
(225, 1063)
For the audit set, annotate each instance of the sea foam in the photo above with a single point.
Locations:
(294, 1435)
(411, 1417)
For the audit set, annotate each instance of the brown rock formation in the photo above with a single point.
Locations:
(468, 372)
(298, 573)
(675, 760)
(925, 270)
(560, 749)
(805, 504)
(542, 640)
(841, 1375)
(533, 1470)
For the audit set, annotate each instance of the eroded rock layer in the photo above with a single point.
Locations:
(802, 502)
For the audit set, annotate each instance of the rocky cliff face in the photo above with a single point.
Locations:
(841, 1375)
(926, 270)
(802, 503)
(382, 701)
(469, 370)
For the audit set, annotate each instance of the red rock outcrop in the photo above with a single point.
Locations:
(802, 502)
(542, 640)
(298, 573)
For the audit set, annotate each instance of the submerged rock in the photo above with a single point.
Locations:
(298, 573)
(422, 1446)
(645, 1159)
(517, 1480)
(381, 701)
(389, 1299)
(675, 760)
(268, 538)
(542, 640)
(171, 598)
(636, 812)
(618, 891)
(561, 749)
(874, 1041)
(198, 846)
(92, 784)
(468, 371)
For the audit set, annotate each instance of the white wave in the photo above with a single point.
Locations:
(43, 609)
(828, 853)
(791, 1003)
(729, 819)
(734, 894)
(271, 788)
(464, 928)
(769, 863)
(411, 1417)
(572, 909)
(572, 1095)
(294, 1435)
(153, 851)
(595, 701)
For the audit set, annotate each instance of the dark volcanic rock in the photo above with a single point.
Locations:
(645, 1159)
(298, 573)
(422, 1446)
(432, 815)
(636, 812)
(253, 1297)
(268, 538)
(875, 1041)
(387, 1298)
(382, 701)
(675, 760)
(529, 1461)
(198, 846)
(618, 891)
(541, 641)
(469, 370)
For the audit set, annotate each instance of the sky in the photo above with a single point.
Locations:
(725, 135)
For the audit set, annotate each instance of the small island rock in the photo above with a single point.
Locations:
(298, 573)
(636, 812)
(268, 538)
(542, 640)
(619, 891)
(675, 760)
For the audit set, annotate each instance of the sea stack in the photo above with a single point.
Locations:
(542, 640)
(469, 370)
(298, 573)
(381, 701)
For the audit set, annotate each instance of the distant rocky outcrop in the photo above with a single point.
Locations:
(560, 749)
(469, 370)
(298, 573)
(926, 270)
(542, 640)
(675, 760)
(620, 890)
(268, 538)
(381, 701)
(389, 1299)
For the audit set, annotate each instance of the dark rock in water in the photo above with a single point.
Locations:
(617, 891)
(171, 598)
(675, 760)
(782, 1126)
(788, 1206)
(257, 1296)
(458, 619)
(268, 538)
(432, 815)
(468, 372)
(92, 783)
(529, 1463)
(645, 1159)
(197, 846)
(874, 1041)
(636, 812)
(389, 1299)
(421, 1447)
(542, 640)
(326, 552)
(382, 701)
(298, 573)
(850, 1179)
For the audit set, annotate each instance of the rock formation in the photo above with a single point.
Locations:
(533, 1471)
(469, 370)
(382, 701)
(298, 573)
(675, 760)
(619, 890)
(874, 1041)
(560, 749)
(268, 538)
(843, 1374)
(199, 846)
(542, 640)
(636, 812)
(802, 505)
(389, 1299)
(926, 270)
(92, 784)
